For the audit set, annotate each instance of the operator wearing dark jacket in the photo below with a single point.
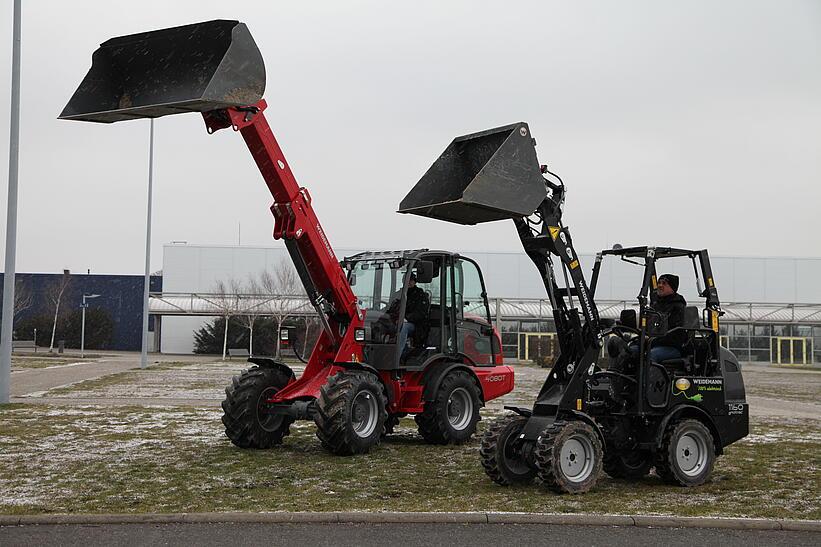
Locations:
(671, 303)
(416, 313)
(416, 305)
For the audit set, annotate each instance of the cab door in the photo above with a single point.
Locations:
(474, 331)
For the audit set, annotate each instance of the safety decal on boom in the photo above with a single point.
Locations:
(554, 231)
(574, 264)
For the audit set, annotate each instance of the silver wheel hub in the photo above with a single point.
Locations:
(576, 458)
(691, 454)
(364, 414)
(460, 408)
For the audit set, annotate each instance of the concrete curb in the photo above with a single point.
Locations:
(427, 518)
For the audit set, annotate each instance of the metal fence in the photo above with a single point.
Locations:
(778, 333)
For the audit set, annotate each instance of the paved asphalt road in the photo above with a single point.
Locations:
(391, 534)
(27, 381)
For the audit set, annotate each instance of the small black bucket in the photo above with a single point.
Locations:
(193, 68)
(481, 177)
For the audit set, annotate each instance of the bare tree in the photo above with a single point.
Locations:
(22, 297)
(281, 287)
(225, 299)
(55, 293)
(310, 320)
(249, 311)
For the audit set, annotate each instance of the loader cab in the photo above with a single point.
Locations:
(702, 355)
(456, 319)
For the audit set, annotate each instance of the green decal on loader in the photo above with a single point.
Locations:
(696, 398)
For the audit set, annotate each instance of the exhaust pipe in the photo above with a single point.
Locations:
(481, 177)
(192, 68)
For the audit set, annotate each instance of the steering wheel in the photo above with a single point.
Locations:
(624, 332)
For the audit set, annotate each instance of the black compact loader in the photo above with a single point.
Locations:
(621, 413)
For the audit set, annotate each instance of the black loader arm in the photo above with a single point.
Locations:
(494, 175)
(543, 237)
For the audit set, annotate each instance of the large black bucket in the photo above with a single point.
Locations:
(482, 177)
(193, 68)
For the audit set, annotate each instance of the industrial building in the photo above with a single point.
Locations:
(772, 304)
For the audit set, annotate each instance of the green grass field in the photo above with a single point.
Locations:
(177, 459)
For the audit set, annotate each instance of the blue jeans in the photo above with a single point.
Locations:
(663, 353)
(658, 353)
(407, 329)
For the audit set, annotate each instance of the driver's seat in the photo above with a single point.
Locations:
(690, 322)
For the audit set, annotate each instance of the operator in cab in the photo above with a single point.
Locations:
(416, 310)
(670, 346)
(671, 303)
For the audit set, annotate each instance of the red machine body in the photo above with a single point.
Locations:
(327, 283)
(360, 378)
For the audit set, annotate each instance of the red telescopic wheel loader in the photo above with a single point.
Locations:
(367, 369)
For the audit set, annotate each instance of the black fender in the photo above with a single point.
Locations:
(352, 365)
(267, 362)
(586, 418)
(436, 372)
(690, 411)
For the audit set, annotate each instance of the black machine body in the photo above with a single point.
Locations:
(622, 412)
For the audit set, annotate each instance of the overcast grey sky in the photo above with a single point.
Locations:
(694, 123)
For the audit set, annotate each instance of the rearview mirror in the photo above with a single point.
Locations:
(628, 318)
(424, 271)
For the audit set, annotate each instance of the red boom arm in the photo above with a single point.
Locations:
(295, 220)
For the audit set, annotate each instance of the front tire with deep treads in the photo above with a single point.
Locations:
(246, 423)
(499, 455)
(568, 457)
(451, 416)
(687, 453)
(351, 413)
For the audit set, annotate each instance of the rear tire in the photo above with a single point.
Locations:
(630, 464)
(245, 423)
(568, 457)
(351, 415)
(687, 454)
(452, 415)
(501, 463)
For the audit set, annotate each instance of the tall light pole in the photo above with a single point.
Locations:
(11, 215)
(83, 328)
(144, 350)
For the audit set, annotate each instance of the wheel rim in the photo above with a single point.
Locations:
(364, 413)
(460, 408)
(268, 422)
(576, 458)
(691, 454)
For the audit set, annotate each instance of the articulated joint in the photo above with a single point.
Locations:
(235, 117)
(298, 410)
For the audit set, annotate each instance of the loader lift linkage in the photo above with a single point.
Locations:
(676, 416)
(358, 382)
